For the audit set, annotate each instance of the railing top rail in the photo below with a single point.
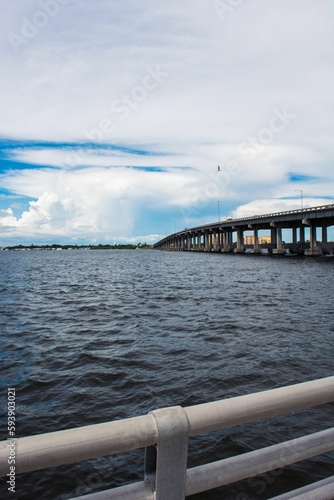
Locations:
(73, 445)
(226, 413)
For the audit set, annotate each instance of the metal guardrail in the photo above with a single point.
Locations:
(165, 432)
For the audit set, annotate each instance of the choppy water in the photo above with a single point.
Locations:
(93, 336)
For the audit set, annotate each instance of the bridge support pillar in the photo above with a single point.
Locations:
(216, 246)
(302, 234)
(294, 235)
(256, 249)
(227, 241)
(209, 241)
(201, 245)
(314, 249)
(240, 240)
(206, 242)
(273, 237)
(279, 250)
(220, 240)
(198, 242)
(195, 242)
(324, 234)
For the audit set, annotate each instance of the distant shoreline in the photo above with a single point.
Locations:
(139, 246)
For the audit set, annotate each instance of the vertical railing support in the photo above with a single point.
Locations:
(166, 463)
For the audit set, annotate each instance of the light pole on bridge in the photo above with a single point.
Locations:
(219, 210)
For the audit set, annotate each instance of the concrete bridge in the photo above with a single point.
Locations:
(228, 235)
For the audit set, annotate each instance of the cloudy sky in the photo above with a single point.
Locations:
(116, 115)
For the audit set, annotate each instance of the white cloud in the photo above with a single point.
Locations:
(94, 200)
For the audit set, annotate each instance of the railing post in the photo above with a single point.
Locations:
(166, 463)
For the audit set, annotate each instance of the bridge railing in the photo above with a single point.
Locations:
(286, 212)
(164, 433)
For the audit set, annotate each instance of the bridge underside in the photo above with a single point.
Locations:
(288, 249)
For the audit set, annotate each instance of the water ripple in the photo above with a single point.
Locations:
(88, 337)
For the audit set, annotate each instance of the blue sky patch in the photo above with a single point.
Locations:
(302, 178)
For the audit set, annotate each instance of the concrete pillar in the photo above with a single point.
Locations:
(313, 236)
(279, 238)
(302, 234)
(324, 234)
(227, 241)
(225, 245)
(314, 249)
(240, 241)
(200, 246)
(294, 235)
(197, 246)
(207, 242)
(256, 248)
(279, 245)
(230, 238)
(219, 243)
(215, 240)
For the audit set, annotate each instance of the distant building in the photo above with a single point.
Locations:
(263, 240)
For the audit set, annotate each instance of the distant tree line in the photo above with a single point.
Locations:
(100, 246)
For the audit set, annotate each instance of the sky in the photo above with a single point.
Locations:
(116, 115)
